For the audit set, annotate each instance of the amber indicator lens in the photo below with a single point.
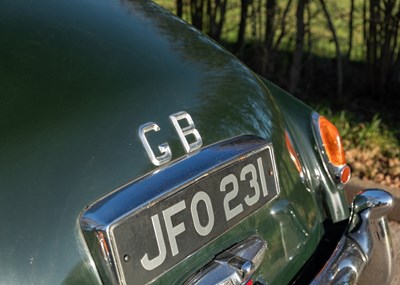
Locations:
(332, 142)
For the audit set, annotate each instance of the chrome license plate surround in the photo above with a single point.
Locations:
(119, 252)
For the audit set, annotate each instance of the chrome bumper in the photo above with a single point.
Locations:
(364, 254)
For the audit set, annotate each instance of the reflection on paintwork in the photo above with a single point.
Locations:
(293, 233)
(231, 98)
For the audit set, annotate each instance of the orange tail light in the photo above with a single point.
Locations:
(332, 142)
(331, 148)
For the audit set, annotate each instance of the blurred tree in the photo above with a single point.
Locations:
(269, 24)
(275, 31)
(351, 17)
(196, 13)
(244, 8)
(216, 10)
(381, 37)
(179, 8)
(283, 22)
(299, 46)
(339, 65)
(286, 36)
(206, 15)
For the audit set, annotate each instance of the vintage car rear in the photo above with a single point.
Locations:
(136, 150)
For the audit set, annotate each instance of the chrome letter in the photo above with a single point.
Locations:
(164, 148)
(184, 132)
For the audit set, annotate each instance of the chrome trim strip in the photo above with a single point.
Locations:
(98, 220)
(366, 245)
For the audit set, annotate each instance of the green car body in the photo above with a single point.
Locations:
(78, 78)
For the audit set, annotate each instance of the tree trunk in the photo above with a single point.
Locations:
(372, 52)
(365, 38)
(216, 10)
(179, 8)
(351, 16)
(196, 12)
(338, 53)
(283, 26)
(299, 46)
(222, 13)
(396, 26)
(244, 6)
(269, 24)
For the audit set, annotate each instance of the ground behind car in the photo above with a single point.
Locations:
(395, 230)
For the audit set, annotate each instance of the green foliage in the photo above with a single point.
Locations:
(363, 134)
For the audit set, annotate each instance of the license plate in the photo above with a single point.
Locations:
(150, 241)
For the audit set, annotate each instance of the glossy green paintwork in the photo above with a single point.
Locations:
(77, 78)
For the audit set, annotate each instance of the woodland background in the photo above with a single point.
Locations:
(341, 57)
